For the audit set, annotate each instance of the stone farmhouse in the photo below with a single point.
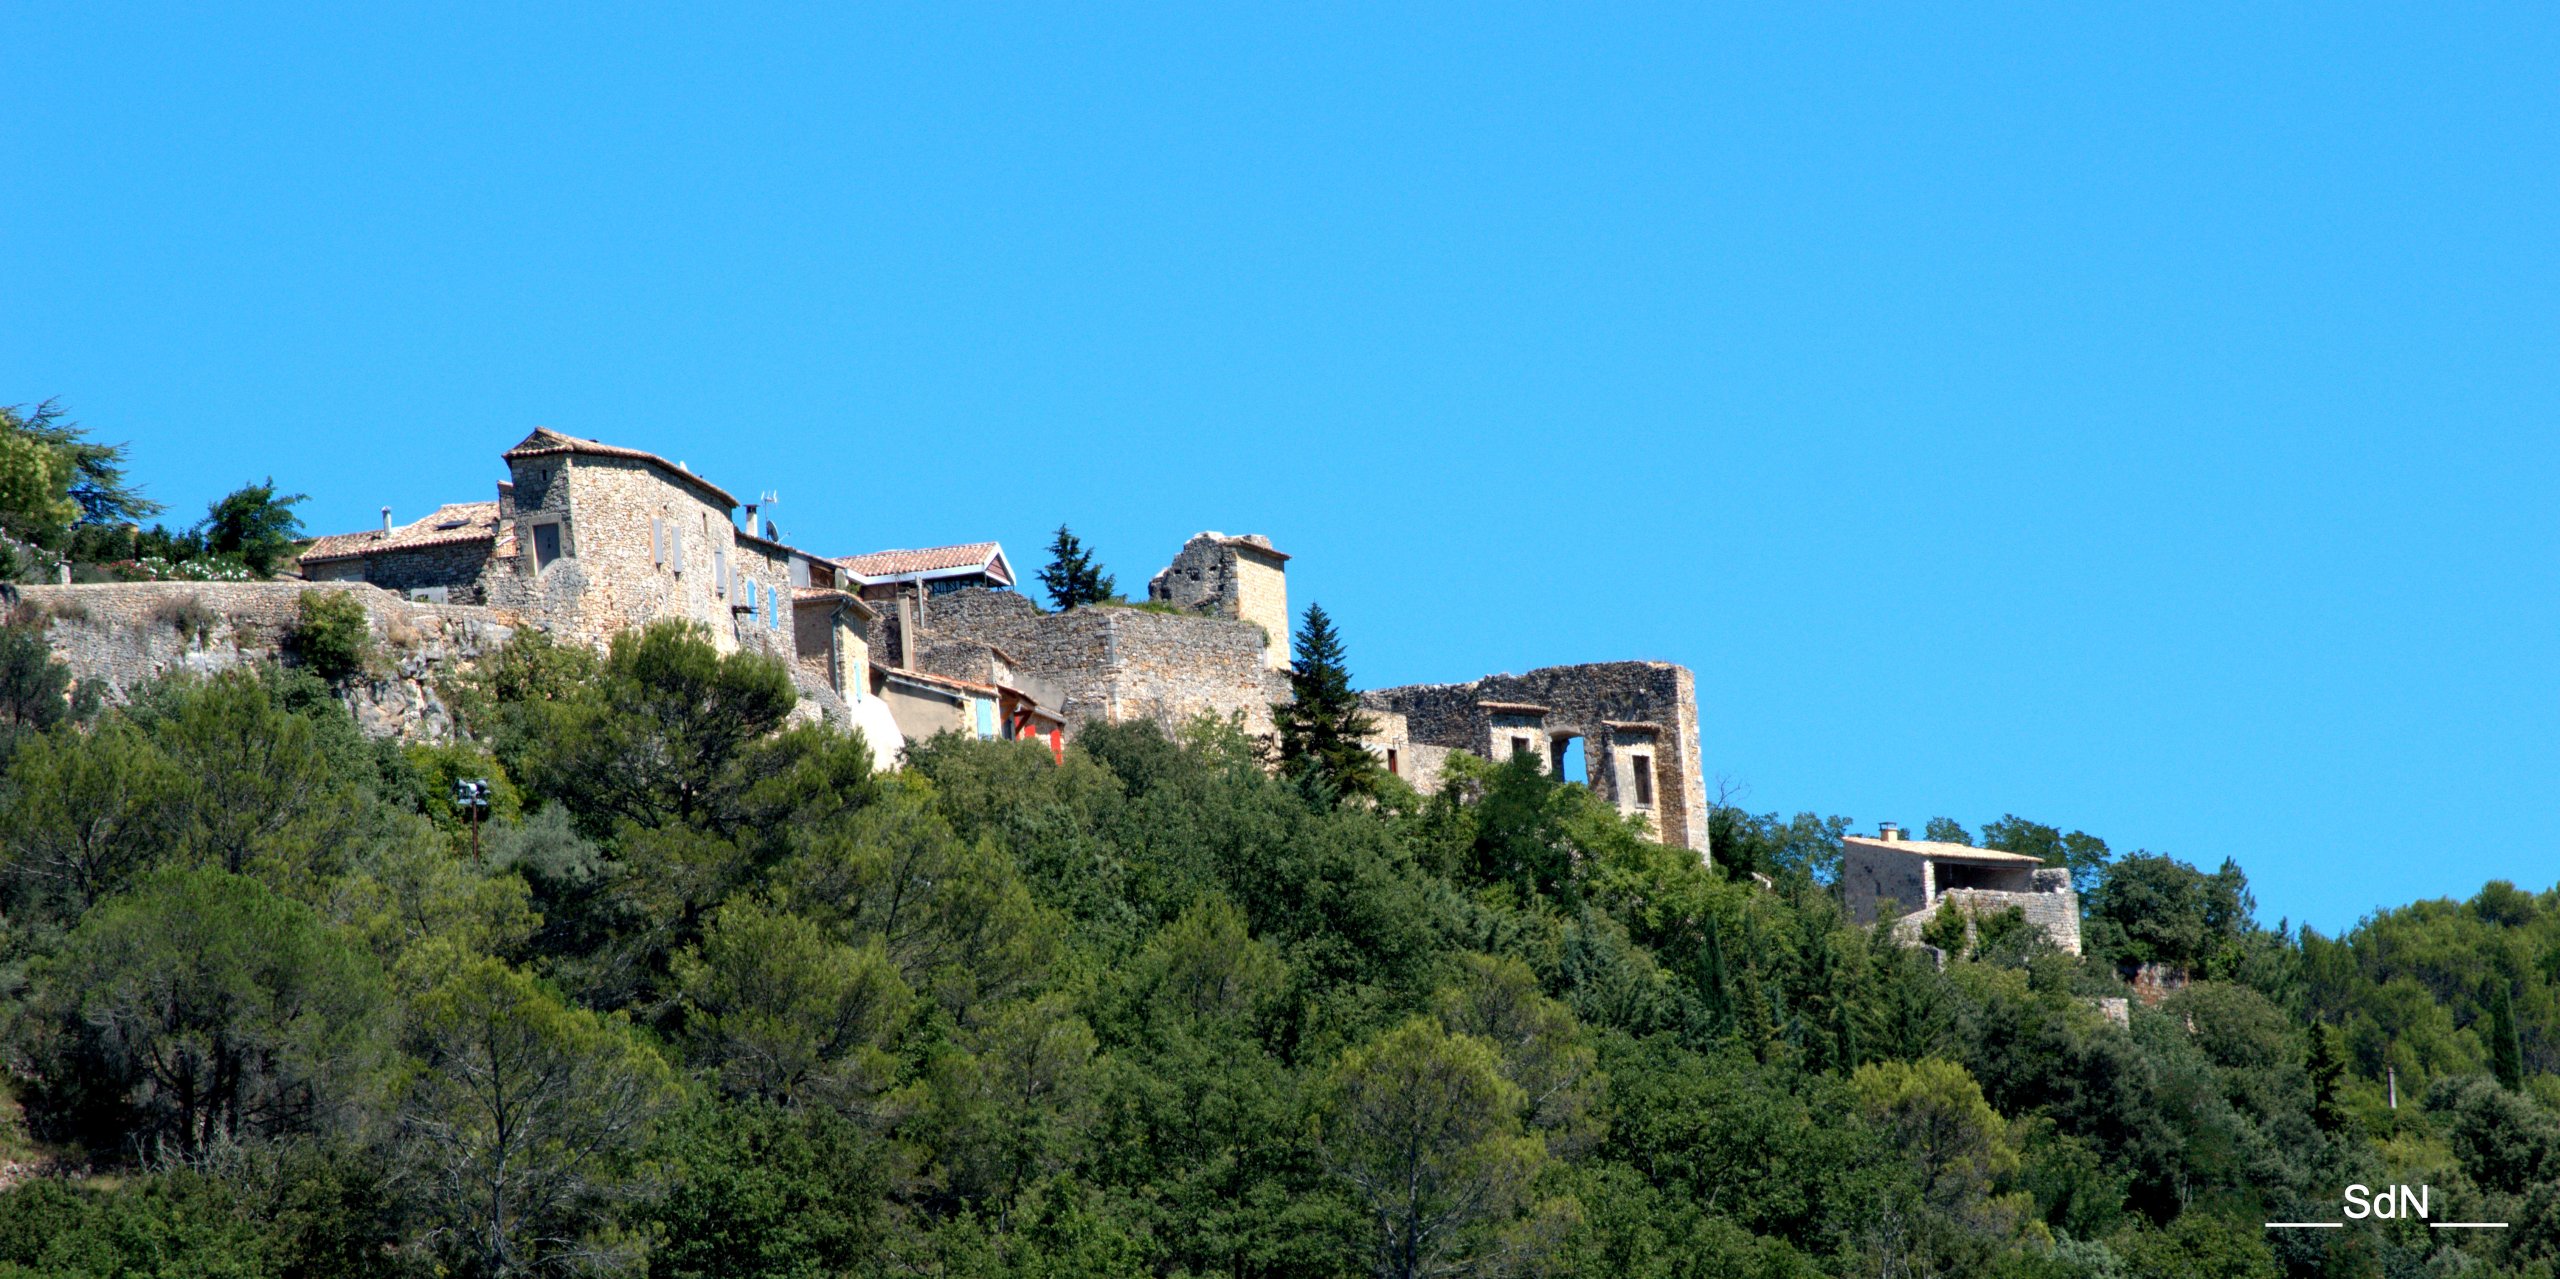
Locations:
(584, 540)
(1889, 873)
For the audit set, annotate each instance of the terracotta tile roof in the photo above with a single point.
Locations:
(451, 525)
(934, 561)
(545, 442)
(1941, 850)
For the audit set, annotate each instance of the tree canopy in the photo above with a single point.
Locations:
(721, 1000)
(1074, 578)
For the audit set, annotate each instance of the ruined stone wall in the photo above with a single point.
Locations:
(124, 635)
(1237, 577)
(1107, 665)
(1618, 709)
(2053, 909)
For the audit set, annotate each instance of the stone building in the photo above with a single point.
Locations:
(1637, 723)
(442, 559)
(1888, 874)
(1238, 577)
(588, 539)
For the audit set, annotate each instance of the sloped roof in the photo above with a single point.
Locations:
(545, 442)
(931, 561)
(829, 595)
(942, 682)
(1943, 851)
(452, 524)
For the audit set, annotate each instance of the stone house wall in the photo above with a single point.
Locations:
(636, 546)
(456, 568)
(830, 648)
(1871, 877)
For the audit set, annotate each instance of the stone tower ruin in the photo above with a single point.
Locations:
(1238, 577)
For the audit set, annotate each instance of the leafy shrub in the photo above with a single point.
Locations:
(187, 615)
(332, 635)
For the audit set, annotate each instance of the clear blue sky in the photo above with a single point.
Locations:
(2137, 418)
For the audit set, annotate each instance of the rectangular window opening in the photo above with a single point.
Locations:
(546, 546)
(1642, 766)
(1519, 746)
(1392, 769)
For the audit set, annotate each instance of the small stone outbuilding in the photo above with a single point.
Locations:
(1888, 873)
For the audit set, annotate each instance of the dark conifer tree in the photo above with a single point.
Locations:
(1073, 578)
(2328, 1069)
(1321, 726)
(2506, 1047)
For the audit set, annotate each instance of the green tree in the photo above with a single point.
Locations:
(2327, 1069)
(265, 793)
(332, 634)
(35, 501)
(1424, 1128)
(2083, 854)
(783, 1015)
(35, 690)
(1933, 1113)
(83, 814)
(2155, 909)
(256, 524)
(1947, 830)
(2506, 1049)
(96, 483)
(660, 734)
(1072, 578)
(1950, 929)
(1322, 730)
(755, 1191)
(524, 1117)
(202, 1007)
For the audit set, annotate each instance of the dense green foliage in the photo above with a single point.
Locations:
(1073, 577)
(331, 634)
(721, 1000)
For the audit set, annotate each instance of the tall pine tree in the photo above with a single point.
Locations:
(1073, 578)
(1321, 726)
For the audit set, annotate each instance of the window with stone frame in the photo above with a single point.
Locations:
(1641, 767)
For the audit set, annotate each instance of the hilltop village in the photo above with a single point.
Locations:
(585, 539)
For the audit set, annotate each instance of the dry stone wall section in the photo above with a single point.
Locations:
(122, 636)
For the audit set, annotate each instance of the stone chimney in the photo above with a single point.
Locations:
(1889, 833)
(386, 519)
(751, 519)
